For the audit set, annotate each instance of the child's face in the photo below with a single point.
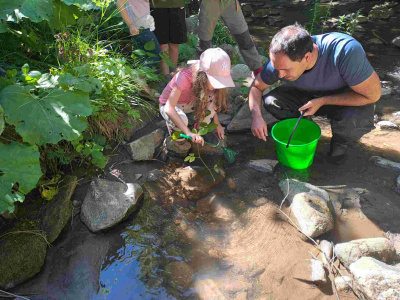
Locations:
(209, 86)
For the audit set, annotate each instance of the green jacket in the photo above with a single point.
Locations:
(167, 3)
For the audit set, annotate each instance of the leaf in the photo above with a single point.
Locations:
(19, 164)
(83, 4)
(45, 119)
(35, 10)
(149, 54)
(25, 69)
(139, 52)
(150, 45)
(167, 60)
(3, 27)
(77, 83)
(48, 193)
(64, 15)
(47, 81)
(203, 131)
(2, 123)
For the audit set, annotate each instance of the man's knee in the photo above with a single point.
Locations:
(244, 40)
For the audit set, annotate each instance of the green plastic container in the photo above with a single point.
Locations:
(301, 150)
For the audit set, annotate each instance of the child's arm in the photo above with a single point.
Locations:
(124, 14)
(220, 129)
(174, 116)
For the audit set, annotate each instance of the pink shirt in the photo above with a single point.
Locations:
(183, 81)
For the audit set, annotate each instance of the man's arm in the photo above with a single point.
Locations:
(258, 126)
(367, 92)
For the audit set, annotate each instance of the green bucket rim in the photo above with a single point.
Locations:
(302, 145)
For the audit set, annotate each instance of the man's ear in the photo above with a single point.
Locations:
(308, 57)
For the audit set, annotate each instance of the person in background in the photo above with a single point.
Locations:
(231, 13)
(200, 89)
(170, 21)
(136, 14)
(325, 75)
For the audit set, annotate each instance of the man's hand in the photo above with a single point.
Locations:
(311, 106)
(259, 128)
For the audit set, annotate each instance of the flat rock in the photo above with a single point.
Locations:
(263, 165)
(317, 271)
(379, 248)
(385, 163)
(376, 279)
(294, 187)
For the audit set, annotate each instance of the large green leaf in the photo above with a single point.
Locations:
(35, 10)
(18, 164)
(64, 15)
(1, 120)
(45, 119)
(83, 4)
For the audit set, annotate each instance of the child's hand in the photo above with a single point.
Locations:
(196, 138)
(133, 30)
(220, 132)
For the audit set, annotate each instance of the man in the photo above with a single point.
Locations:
(231, 14)
(170, 23)
(325, 75)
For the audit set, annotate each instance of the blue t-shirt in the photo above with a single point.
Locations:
(341, 63)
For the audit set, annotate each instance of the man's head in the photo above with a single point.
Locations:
(290, 51)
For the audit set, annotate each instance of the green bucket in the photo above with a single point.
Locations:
(301, 150)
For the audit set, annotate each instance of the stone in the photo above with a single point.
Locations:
(107, 203)
(207, 289)
(144, 147)
(312, 214)
(240, 71)
(387, 87)
(376, 279)
(223, 213)
(343, 283)
(177, 148)
(294, 187)
(242, 120)
(58, 212)
(191, 24)
(379, 248)
(317, 271)
(385, 163)
(326, 251)
(396, 42)
(381, 13)
(387, 125)
(263, 165)
(154, 175)
(181, 273)
(231, 184)
(21, 257)
(235, 104)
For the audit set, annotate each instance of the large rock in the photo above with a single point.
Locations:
(191, 24)
(294, 187)
(379, 248)
(107, 203)
(317, 271)
(242, 120)
(240, 71)
(312, 214)
(59, 211)
(21, 257)
(143, 148)
(376, 279)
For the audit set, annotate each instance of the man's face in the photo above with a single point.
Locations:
(287, 68)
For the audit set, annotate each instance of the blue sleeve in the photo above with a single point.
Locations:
(353, 64)
(269, 74)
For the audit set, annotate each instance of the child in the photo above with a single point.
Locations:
(199, 89)
(136, 14)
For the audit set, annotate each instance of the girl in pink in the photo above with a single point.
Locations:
(199, 89)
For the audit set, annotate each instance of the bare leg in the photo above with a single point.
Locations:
(164, 67)
(174, 53)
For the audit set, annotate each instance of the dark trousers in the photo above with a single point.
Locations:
(348, 123)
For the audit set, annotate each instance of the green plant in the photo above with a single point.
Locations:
(348, 23)
(222, 35)
(320, 14)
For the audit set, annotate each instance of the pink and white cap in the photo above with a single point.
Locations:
(216, 63)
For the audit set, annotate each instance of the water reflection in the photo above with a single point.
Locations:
(141, 267)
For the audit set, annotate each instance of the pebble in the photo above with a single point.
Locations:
(387, 125)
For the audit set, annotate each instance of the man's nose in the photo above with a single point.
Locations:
(281, 74)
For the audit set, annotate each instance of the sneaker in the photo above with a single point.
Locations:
(337, 153)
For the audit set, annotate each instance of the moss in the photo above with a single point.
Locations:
(22, 255)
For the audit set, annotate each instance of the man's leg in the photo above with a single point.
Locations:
(233, 17)
(209, 14)
(349, 124)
